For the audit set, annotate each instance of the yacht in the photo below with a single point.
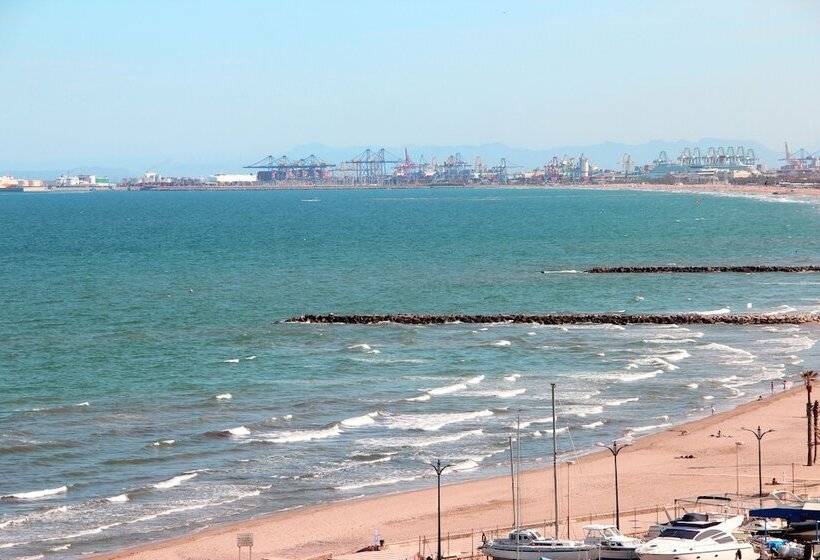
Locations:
(528, 544)
(698, 536)
(611, 544)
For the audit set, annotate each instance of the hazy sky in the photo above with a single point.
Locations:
(124, 83)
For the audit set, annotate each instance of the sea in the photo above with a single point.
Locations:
(152, 387)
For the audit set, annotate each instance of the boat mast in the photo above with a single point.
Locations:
(554, 459)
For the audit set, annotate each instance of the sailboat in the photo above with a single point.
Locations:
(529, 544)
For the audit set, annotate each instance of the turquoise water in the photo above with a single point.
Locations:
(145, 368)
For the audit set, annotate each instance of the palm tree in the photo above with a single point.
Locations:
(809, 377)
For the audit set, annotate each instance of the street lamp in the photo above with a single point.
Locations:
(569, 494)
(759, 435)
(616, 448)
(738, 445)
(439, 468)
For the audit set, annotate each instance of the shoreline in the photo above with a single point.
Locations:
(780, 193)
(342, 526)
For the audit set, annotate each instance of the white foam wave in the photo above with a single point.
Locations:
(174, 482)
(380, 482)
(513, 377)
(791, 344)
(358, 421)
(708, 397)
(475, 380)
(300, 436)
(231, 361)
(640, 429)
(239, 431)
(465, 465)
(725, 348)
(446, 390)
(120, 498)
(163, 442)
(721, 311)
(502, 343)
(584, 411)
(59, 548)
(668, 340)
(37, 494)
(592, 425)
(570, 271)
(433, 422)
(224, 397)
(250, 357)
(86, 403)
(420, 398)
(692, 385)
(632, 377)
(619, 402)
(779, 310)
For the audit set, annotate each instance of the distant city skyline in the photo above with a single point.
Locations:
(214, 84)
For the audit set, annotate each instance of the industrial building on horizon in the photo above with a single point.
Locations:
(380, 168)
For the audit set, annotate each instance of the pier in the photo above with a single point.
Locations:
(565, 319)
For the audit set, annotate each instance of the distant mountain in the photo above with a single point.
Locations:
(606, 154)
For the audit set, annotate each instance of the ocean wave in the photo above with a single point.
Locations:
(433, 422)
(692, 385)
(231, 361)
(583, 411)
(299, 436)
(239, 431)
(569, 271)
(668, 340)
(224, 397)
(649, 428)
(174, 482)
(781, 309)
(528, 423)
(380, 482)
(654, 360)
(465, 465)
(725, 348)
(121, 498)
(619, 402)
(163, 443)
(475, 380)
(36, 494)
(446, 390)
(499, 393)
(501, 343)
(592, 426)
(513, 377)
(790, 345)
(420, 398)
(358, 421)
(632, 377)
(363, 347)
(721, 311)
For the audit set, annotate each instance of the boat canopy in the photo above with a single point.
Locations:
(792, 515)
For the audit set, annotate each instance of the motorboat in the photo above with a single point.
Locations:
(611, 543)
(698, 536)
(528, 544)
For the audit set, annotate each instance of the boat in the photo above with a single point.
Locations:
(611, 543)
(529, 544)
(698, 536)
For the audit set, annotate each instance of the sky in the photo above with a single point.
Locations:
(131, 84)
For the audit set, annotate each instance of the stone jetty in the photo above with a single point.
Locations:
(565, 319)
(700, 269)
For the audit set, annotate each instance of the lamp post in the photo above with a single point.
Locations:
(759, 435)
(569, 494)
(738, 445)
(439, 468)
(616, 448)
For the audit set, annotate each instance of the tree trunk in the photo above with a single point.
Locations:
(808, 435)
(815, 411)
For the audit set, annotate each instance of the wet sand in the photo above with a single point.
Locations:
(651, 474)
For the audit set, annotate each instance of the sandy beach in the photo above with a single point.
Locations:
(652, 475)
(767, 191)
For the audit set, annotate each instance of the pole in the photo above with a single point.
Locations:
(439, 468)
(512, 481)
(737, 467)
(617, 501)
(616, 448)
(792, 478)
(554, 459)
(759, 434)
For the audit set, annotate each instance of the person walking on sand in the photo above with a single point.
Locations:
(713, 410)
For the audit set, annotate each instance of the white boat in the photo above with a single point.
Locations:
(698, 536)
(528, 544)
(611, 544)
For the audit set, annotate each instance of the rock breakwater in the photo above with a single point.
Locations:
(701, 269)
(563, 319)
